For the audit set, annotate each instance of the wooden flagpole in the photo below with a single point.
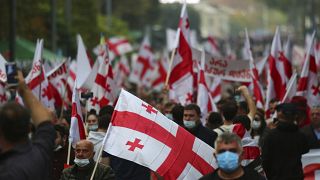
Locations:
(169, 67)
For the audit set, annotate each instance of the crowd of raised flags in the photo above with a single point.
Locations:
(184, 75)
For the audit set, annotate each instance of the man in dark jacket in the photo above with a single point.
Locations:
(21, 158)
(192, 123)
(312, 131)
(84, 165)
(283, 146)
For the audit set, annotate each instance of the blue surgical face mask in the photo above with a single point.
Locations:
(228, 161)
(189, 124)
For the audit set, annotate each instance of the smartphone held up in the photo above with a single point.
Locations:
(11, 71)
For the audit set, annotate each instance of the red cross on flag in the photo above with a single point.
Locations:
(308, 85)
(37, 81)
(256, 86)
(181, 77)
(160, 72)
(58, 83)
(276, 81)
(144, 64)
(119, 46)
(204, 98)
(77, 131)
(104, 88)
(122, 71)
(140, 133)
(211, 46)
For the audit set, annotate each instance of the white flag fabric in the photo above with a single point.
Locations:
(211, 46)
(140, 133)
(37, 81)
(3, 75)
(308, 83)
(83, 65)
(181, 76)
(77, 131)
(119, 45)
(311, 164)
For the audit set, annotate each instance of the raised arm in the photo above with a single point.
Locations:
(39, 113)
(251, 104)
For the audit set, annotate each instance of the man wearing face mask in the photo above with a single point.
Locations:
(229, 155)
(192, 123)
(84, 165)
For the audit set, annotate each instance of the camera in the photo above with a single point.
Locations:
(11, 71)
(87, 95)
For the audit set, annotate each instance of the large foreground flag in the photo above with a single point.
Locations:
(141, 134)
(77, 131)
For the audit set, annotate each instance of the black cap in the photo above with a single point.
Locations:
(287, 108)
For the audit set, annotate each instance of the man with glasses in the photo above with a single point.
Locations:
(229, 155)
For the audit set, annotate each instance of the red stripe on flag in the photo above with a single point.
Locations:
(101, 80)
(79, 121)
(276, 78)
(36, 81)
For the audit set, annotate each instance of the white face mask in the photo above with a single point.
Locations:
(189, 124)
(255, 124)
(81, 162)
(93, 127)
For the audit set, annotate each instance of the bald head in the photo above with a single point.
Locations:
(84, 149)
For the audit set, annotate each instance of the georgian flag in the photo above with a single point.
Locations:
(144, 65)
(57, 78)
(122, 71)
(141, 134)
(77, 131)
(118, 46)
(276, 79)
(181, 78)
(256, 86)
(211, 46)
(308, 85)
(160, 72)
(37, 81)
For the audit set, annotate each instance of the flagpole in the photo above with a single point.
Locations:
(69, 151)
(100, 152)
(169, 68)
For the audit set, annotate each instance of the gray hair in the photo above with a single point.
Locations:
(228, 137)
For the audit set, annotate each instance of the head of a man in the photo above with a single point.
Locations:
(228, 152)
(84, 152)
(14, 124)
(61, 137)
(287, 112)
(315, 117)
(272, 105)
(229, 109)
(103, 122)
(191, 116)
(92, 121)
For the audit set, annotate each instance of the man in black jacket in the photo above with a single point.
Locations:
(192, 123)
(283, 146)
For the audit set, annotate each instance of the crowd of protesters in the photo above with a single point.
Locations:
(41, 152)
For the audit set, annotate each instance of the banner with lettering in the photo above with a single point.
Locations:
(224, 68)
(311, 164)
